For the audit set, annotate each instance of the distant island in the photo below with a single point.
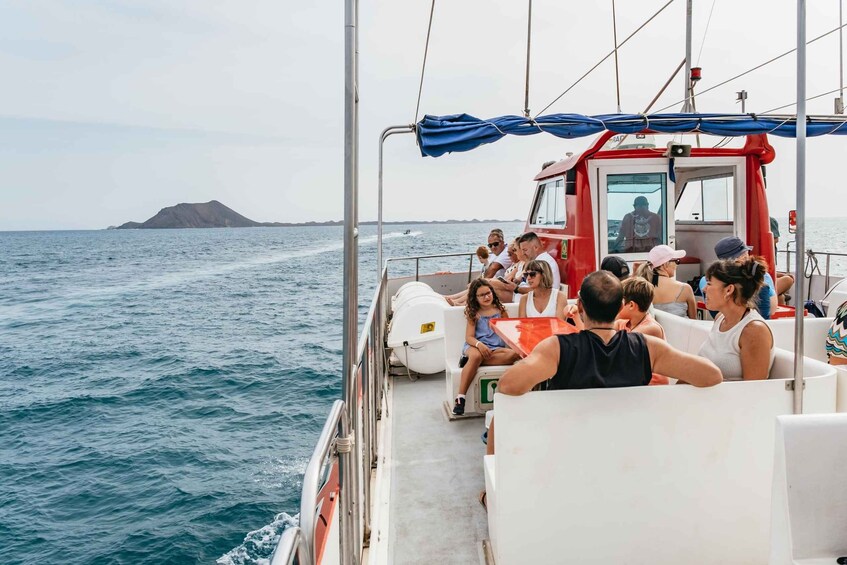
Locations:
(213, 214)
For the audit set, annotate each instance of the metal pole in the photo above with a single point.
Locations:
(528, 45)
(349, 538)
(390, 130)
(686, 107)
(800, 235)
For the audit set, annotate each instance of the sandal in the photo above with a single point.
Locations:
(483, 499)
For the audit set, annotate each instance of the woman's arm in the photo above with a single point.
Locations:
(689, 299)
(522, 306)
(756, 343)
(561, 302)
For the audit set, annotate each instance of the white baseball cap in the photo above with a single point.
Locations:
(661, 254)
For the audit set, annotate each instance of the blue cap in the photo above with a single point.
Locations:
(731, 247)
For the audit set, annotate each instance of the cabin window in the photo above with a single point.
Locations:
(636, 211)
(707, 200)
(549, 209)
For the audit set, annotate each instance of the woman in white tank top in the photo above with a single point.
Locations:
(542, 300)
(740, 343)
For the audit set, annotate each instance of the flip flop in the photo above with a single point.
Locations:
(482, 499)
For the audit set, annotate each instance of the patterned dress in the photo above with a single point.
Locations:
(836, 337)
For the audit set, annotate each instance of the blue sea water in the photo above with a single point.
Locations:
(162, 390)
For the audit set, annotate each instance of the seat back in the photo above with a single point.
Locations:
(659, 475)
(809, 517)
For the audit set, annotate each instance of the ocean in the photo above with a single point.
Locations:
(161, 391)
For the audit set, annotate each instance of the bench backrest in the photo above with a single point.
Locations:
(660, 475)
(454, 330)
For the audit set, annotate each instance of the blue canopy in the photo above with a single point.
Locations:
(438, 135)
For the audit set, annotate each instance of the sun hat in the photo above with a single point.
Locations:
(731, 247)
(661, 254)
(616, 266)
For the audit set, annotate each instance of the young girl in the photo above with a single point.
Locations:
(482, 345)
(482, 256)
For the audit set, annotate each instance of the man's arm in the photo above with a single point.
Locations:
(671, 362)
(538, 366)
(492, 269)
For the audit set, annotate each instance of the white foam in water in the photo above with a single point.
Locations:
(258, 545)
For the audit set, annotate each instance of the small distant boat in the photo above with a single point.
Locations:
(407, 232)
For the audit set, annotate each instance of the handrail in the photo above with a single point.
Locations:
(291, 546)
(417, 260)
(327, 445)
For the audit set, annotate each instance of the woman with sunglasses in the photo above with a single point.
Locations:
(482, 345)
(669, 294)
(541, 301)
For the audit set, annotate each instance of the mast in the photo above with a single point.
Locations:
(800, 237)
(687, 107)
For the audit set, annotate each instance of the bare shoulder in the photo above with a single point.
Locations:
(756, 332)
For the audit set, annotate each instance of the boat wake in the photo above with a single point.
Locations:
(258, 545)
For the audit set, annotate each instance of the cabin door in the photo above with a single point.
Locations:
(635, 208)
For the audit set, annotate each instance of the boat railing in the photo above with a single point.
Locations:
(291, 548)
(813, 267)
(417, 260)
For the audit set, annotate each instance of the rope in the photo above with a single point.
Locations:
(601, 61)
(423, 67)
(706, 31)
(757, 67)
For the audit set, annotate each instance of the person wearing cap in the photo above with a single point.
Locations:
(670, 295)
(734, 248)
(616, 266)
(640, 230)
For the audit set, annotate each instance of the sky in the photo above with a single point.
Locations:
(111, 110)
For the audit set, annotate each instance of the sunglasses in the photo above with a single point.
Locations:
(484, 295)
(529, 274)
(495, 244)
(674, 261)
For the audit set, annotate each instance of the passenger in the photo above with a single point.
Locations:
(482, 256)
(496, 266)
(482, 345)
(836, 337)
(640, 230)
(504, 287)
(616, 266)
(740, 343)
(784, 281)
(734, 248)
(600, 356)
(542, 300)
(501, 261)
(634, 316)
(669, 294)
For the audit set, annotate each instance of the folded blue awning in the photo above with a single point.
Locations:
(438, 135)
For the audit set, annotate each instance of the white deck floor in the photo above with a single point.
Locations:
(436, 478)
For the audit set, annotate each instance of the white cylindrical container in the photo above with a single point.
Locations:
(416, 333)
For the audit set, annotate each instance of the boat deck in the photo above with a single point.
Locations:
(436, 478)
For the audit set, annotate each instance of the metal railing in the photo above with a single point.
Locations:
(812, 266)
(354, 444)
(290, 549)
(417, 260)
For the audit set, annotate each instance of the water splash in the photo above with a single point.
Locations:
(258, 545)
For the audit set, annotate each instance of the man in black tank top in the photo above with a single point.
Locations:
(599, 356)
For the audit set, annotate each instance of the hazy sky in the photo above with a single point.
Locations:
(111, 110)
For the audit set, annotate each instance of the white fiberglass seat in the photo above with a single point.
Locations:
(809, 516)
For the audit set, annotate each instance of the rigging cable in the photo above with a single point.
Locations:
(601, 61)
(617, 69)
(757, 67)
(423, 67)
(706, 31)
(841, 55)
(793, 103)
